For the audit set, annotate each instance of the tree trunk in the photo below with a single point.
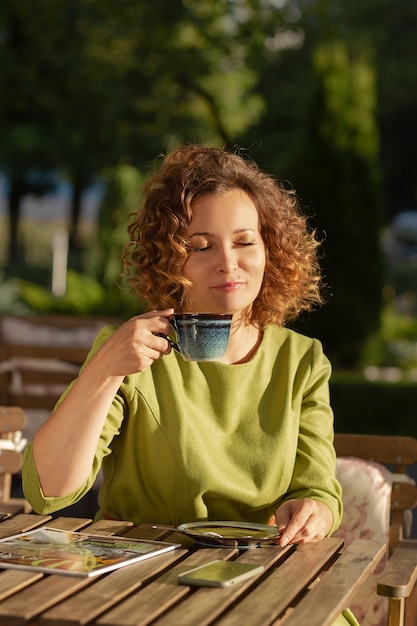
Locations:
(74, 237)
(15, 196)
(75, 247)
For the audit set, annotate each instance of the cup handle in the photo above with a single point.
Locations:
(173, 344)
(173, 324)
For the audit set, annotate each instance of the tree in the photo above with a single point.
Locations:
(100, 82)
(325, 130)
(26, 150)
(339, 177)
(388, 29)
(124, 185)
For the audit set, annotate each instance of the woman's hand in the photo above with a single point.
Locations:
(303, 520)
(135, 345)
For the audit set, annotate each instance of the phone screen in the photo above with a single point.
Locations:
(220, 573)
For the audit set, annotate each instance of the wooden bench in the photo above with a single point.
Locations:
(12, 422)
(41, 354)
(397, 582)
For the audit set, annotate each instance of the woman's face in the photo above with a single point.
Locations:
(227, 258)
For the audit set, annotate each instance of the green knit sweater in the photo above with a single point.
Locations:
(188, 441)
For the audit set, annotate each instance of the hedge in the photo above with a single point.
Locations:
(381, 408)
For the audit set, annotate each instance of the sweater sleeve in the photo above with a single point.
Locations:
(315, 463)
(32, 488)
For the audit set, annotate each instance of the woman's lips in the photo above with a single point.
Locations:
(228, 287)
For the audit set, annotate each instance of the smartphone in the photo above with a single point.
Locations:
(220, 574)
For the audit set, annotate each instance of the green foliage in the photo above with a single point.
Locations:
(84, 296)
(397, 326)
(396, 343)
(382, 408)
(86, 85)
(369, 89)
(123, 195)
(339, 177)
(139, 76)
(347, 87)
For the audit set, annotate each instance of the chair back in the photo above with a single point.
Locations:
(399, 454)
(12, 423)
(41, 354)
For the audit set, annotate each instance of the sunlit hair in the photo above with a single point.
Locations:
(158, 248)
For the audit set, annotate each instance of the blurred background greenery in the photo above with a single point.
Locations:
(321, 93)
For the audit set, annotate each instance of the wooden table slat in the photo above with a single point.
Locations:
(108, 527)
(400, 574)
(42, 594)
(148, 592)
(147, 531)
(332, 594)
(270, 598)
(91, 602)
(31, 601)
(69, 523)
(21, 523)
(206, 604)
(12, 581)
(161, 594)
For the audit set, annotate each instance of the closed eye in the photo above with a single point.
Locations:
(197, 249)
(245, 243)
(199, 244)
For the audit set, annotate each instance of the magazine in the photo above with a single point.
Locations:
(56, 551)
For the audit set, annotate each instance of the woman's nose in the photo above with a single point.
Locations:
(227, 260)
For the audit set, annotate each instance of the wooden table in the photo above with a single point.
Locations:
(148, 593)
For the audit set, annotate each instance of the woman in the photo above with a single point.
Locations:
(249, 437)
(246, 438)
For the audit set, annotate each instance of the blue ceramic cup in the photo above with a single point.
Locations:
(201, 336)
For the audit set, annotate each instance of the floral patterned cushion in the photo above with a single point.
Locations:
(366, 499)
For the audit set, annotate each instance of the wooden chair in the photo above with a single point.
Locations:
(12, 422)
(397, 582)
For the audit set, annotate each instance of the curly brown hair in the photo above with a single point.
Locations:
(158, 248)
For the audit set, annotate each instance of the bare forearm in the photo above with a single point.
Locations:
(64, 447)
